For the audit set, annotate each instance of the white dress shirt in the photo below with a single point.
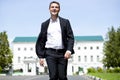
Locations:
(54, 35)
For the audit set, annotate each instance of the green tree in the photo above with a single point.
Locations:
(112, 49)
(118, 47)
(5, 52)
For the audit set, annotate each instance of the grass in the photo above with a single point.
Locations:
(107, 76)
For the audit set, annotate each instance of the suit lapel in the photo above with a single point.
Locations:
(46, 25)
(62, 27)
(61, 24)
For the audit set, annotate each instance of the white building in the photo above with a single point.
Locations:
(88, 53)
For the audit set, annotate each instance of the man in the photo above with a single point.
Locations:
(55, 43)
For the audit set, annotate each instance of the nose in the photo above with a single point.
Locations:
(54, 7)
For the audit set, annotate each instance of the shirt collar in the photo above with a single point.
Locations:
(55, 20)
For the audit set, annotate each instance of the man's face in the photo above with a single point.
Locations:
(54, 9)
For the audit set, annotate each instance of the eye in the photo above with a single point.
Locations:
(54, 7)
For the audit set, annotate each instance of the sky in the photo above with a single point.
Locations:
(21, 18)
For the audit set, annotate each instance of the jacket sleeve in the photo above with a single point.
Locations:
(40, 44)
(70, 37)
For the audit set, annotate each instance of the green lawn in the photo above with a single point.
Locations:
(107, 76)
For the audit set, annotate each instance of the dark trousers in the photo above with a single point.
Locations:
(57, 64)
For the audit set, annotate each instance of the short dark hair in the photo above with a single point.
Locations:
(54, 2)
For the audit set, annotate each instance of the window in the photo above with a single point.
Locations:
(97, 47)
(25, 57)
(79, 58)
(72, 58)
(91, 57)
(18, 49)
(25, 49)
(91, 48)
(31, 49)
(19, 59)
(85, 58)
(78, 48)
(85, 47)
(72, 69)
(98, 58)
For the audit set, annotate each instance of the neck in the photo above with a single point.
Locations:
(54, 18)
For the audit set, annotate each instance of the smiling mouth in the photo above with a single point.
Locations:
(54, 11)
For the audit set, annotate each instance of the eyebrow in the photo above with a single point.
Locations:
(55, 6)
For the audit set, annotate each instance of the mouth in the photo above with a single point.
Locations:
(54, 12)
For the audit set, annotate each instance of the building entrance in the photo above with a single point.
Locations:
(30, 66)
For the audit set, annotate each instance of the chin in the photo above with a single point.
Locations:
(54, 13)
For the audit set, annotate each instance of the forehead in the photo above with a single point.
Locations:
(54, 4)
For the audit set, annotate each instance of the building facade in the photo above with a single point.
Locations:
(88, 53)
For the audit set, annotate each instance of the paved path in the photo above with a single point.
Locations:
(40, 77)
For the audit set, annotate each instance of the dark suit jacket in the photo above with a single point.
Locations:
(67, 37)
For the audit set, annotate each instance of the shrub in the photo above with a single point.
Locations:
(110, 70)
(0, 69)
(99, 70)
(91, 70)
(116, 70)
(18, 70)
